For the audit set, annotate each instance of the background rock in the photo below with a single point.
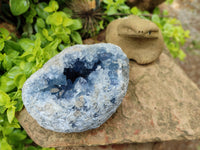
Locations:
(161, 104)
(145, 4)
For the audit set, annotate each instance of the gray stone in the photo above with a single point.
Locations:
(78, 89)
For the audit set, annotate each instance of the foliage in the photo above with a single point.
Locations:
(116, 6)
(18, 61)
(169, 1)
(173, 33)
(18, 7)
(48, 29)
(46, 32)
(195, 45)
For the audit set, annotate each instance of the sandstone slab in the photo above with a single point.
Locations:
(161, 104)
(168, 145)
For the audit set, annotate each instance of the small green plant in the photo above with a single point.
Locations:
(47, 31)
(194, 45)
(18, 60)
(115, 6)
(173, 33)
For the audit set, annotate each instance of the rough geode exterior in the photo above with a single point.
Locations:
(78, 89)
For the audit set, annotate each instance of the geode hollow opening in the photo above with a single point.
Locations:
(78, 89)
(79, 70)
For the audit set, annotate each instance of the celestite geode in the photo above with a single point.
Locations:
(78, 89)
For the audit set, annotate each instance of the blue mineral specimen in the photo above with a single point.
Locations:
(78, 89)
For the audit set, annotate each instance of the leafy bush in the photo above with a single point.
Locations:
(48, 29)
(173, 33)
(51, 32)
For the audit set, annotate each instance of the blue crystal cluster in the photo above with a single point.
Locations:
(78, 89)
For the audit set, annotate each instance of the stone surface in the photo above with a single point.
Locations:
(146, 146)
(145, 4)
(140, 39)
(169, 145)
(161, 104)
(78, 89)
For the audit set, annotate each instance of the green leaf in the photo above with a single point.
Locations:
(101, 24)
(4, 98)
(14, 124)
(76, 25)
(1, 44)
(55, 19)
(65, 38)
(1, 119)
(27, 67)
(26, 44)
(17, 135)
(28, 28)
(156, 11)
(28, 56)
(53, 6)
(67, 22)
(19, 80)
(108, 1)
(5, 34)
(29, 15)
(169, 1)
(112, 10)
(6, 84)
(123, 7)
(11, 114)
(76, 37)
(12, 45)
(2, 56)
(48, 148)
(19, 105)
(165, 12)
(155, 19)
(7, 63)
(8, 130)
(135, 11)
(181, 55)
(51, 49)
(28, 141)
(2, 109)
(31, 148)
(40, 10)
(46, 34)
(19, 7)
(11, 104)
(4, 145)
(40, 23)
(67, 11)
(14, 71)
(62, 46)
(48, 9)
(12, 54)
